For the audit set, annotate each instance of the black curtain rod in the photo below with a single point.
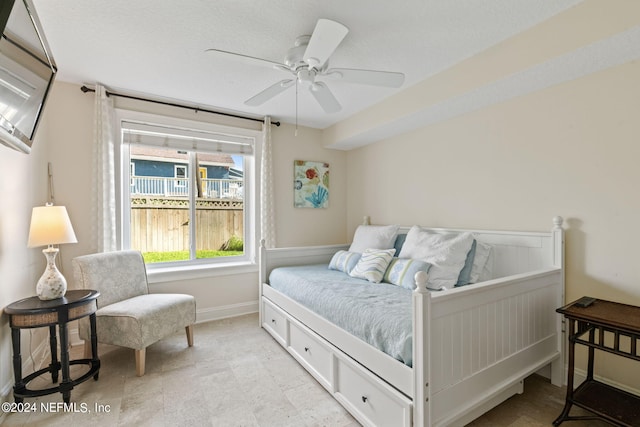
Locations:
(86, 89)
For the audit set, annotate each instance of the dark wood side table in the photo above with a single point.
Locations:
(610, 327)
(34, 313)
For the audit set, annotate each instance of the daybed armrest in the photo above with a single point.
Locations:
(271, 258)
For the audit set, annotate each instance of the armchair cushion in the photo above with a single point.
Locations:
(140, 321)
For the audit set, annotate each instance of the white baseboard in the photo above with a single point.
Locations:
(204, 315)
(74, 337)
(580, 375)
(223, 312)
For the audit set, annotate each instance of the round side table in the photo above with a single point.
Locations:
(35, 313)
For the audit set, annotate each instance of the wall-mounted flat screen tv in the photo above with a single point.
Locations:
(27, 71)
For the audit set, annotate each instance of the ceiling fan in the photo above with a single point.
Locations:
(308, 62)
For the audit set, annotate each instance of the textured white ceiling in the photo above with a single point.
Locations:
(157, 47)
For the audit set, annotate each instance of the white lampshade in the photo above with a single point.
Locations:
(50, 225)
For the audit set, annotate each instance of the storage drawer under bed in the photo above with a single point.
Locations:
(311, 352)
(275, 321)
(370, 400)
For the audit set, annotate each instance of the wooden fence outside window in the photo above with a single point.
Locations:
(160, 224)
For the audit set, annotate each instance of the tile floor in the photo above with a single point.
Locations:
(235, 375)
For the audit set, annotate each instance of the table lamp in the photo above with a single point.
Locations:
(50, 225)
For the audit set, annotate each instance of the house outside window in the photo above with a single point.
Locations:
(175, 217)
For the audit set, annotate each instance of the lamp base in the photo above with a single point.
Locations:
(52, 284)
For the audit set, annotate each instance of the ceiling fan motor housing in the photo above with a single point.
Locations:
(294, 58)
(306, 75)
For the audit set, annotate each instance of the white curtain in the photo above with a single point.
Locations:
(266, 188)
(103, 177)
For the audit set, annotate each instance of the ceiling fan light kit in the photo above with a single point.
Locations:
(308, 61)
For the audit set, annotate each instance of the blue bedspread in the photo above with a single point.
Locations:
(377, 313)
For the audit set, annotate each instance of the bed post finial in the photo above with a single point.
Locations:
(557, 222)
(421, 279)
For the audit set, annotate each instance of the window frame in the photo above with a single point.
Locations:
(179, 180)
(195, 268)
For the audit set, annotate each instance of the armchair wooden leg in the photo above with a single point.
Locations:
(140, 356)
(189, 330)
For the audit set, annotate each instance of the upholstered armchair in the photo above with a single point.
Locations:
(128, 315)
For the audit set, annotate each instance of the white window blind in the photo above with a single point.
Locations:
(186, 139)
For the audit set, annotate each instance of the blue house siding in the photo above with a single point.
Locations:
(217, 172)
(157, 177)
(167, 169)
(153, 172)
(155, 168)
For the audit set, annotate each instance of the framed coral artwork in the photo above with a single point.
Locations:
(310, 184)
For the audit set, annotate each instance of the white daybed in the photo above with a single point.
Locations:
(472, 346)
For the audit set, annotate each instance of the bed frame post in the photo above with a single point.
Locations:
(557, 366)
(262, 275)
(421, 361)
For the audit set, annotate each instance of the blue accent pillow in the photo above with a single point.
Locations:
(465, 274)
(400, 238)
(401, 272)
(344, 261)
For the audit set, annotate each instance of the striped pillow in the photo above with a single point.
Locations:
(344, 261)
(402, 271)
(372, 264)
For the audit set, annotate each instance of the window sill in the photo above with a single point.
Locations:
(170, 274)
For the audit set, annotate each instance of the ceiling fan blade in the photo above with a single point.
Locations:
(367, 77)
(325, 39)
(269, 93)
(246, 59)
(325, 98)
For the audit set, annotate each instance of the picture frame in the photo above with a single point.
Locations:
(310, 184)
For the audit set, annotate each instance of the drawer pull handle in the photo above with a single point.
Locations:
(364, 399)
(306, 349)
(273, 320)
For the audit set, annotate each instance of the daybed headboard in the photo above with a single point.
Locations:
(517, 252)
(514, 252)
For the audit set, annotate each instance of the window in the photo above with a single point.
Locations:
(175, 217)
(181, 175)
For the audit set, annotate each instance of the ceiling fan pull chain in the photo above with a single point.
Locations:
(296, 131)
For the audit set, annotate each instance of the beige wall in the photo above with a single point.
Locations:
(24, 185)
(571, 149)
(306, 226)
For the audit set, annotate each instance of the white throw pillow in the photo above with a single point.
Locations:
(372, 264)
(446, 252)
(480, 261)
(487, 270)
(373, 237)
